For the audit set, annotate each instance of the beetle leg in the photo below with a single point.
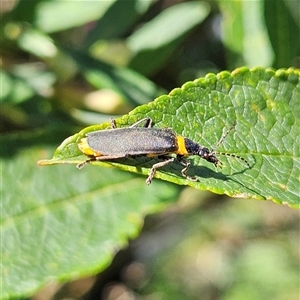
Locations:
(156, 166)
(113, 123)
(99, 158)
(147, 123)
(186, 163)
(81, 165)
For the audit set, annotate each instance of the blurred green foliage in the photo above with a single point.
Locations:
(65, 64)
(65, 60)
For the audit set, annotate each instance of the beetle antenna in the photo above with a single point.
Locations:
(223, 138)
(229, 154)
(235, 156)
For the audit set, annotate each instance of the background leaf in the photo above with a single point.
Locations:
(130, 11)
(280, 19)
(153, 43)
(264, 103)
(58, 15)
(128, 83)
(244, 25)
(73, 227)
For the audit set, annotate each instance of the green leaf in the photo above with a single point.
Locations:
(130, 11)
(165, 27)
(59, 224)
(14, 88)
(55, 16)
(265, 106)
(284, 31)
(243, 25)
(130, 84)
(37, 43)
(154, 42)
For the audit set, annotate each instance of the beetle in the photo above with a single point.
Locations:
(136, 140)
